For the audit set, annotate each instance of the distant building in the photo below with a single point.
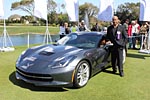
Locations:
(15, 18)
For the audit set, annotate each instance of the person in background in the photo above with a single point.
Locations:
(130, 35)
(67, 29)
(83, 27)
(96, 28)
(74, 28)
(104, 29)
(117, 35)
(126, 24)
(144, 35)
(61, 30)
(135, 33)
(137, 38)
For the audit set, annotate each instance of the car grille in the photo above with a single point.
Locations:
(34, 76)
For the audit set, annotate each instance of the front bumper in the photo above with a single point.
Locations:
(63, 79)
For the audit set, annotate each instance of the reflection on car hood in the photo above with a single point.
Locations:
(51, 52)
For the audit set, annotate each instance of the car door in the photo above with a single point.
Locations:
(101, 55)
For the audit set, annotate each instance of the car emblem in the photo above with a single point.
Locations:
(27, 66)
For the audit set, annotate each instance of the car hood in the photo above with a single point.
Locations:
(41, 58)
(51, 52)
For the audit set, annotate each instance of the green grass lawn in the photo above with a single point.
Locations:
(31, 29)
(104, 86)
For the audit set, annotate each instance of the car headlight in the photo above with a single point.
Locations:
(19, 58)
(62, 61)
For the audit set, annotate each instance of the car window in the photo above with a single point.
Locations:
(81, 40)
(102, 41)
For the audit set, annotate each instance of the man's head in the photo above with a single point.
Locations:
(82, 22)
(133, 22)
(115, 20)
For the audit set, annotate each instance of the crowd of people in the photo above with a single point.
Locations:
(137, 34)
(65, 28)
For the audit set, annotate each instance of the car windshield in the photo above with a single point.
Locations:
(81, 40)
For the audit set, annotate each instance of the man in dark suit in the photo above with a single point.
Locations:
(116, 34)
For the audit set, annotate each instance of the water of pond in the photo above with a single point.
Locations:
(18, 40)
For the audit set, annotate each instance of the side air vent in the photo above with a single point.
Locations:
(46, 53)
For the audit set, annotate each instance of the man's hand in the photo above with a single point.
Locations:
(108, 42)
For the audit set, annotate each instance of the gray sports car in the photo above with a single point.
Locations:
(71, 61)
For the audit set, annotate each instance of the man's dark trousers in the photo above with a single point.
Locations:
(117, 59)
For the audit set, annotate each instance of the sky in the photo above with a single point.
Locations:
(8, 12)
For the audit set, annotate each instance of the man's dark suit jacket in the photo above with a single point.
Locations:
(112, 36)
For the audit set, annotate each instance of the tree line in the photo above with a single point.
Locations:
(124, 11)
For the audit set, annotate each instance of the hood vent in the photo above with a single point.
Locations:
(46, 53)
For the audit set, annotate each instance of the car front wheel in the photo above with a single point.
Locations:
(82, 74)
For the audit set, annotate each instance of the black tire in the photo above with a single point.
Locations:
(82, 74)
